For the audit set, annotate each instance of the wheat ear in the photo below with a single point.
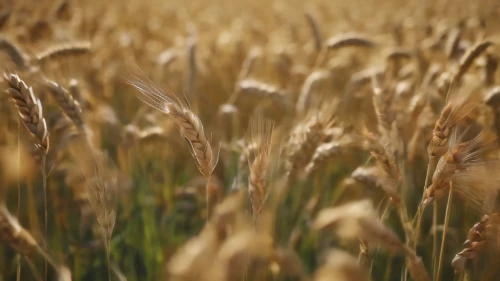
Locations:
(31, 113)
(67, 103)
(64, 50)
(188, 123)
(259, 135)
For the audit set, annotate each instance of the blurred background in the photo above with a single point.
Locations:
(288, 61)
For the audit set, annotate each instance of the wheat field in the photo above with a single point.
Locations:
(219, 140)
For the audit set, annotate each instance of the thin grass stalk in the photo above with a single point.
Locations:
(434, 237)
(18, 211)
(18, 271)
(44, 182)
(445, 230)
(33, 269)
(431, 166)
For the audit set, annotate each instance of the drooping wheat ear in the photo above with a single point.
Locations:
(15, 54)
(259, 134)
(315, 30)
(30, 111)
(14, 234)
(189, 124)
(66, 101)
(259, 88)
(469, 57)
(483, 235)
(349, 40)
(64, 50)
(310, 83)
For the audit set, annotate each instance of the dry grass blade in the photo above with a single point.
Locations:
(30, 111)
(259, 137)
(64, 50)
(66, 101)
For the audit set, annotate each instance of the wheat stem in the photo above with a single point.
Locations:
(431, 166)
(445, 229)
(44, 182)
(207, 195)
(18, 271)
(434, 236)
